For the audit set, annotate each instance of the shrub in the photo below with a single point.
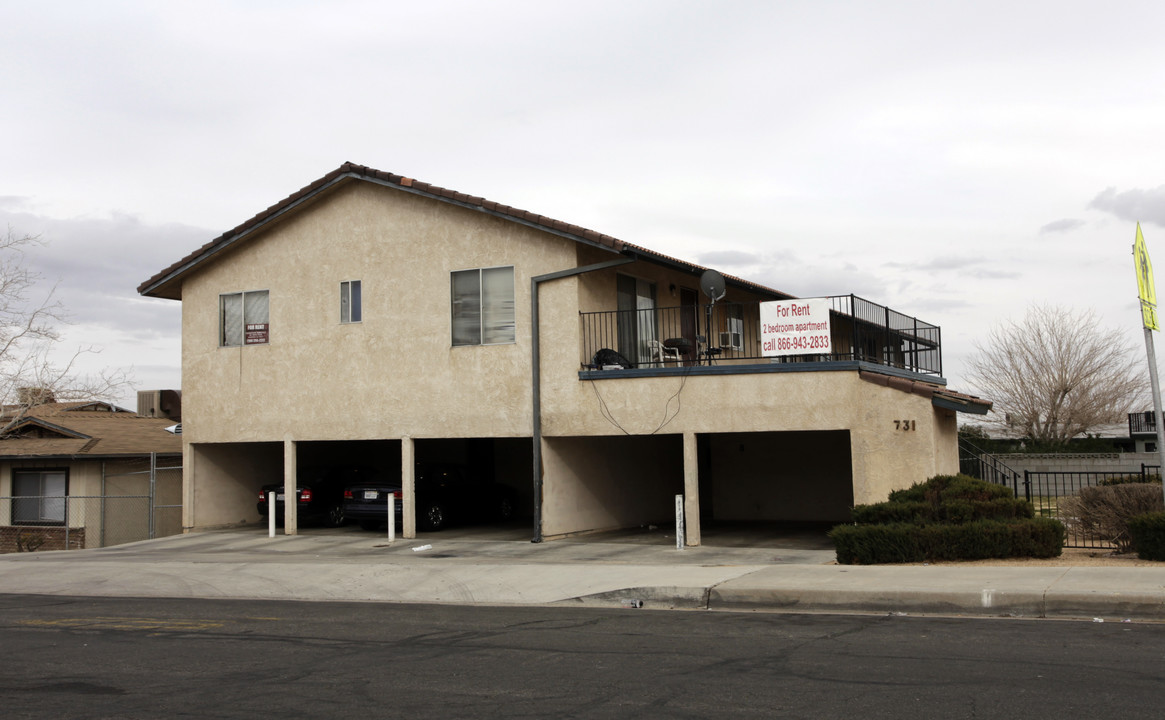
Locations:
(908, 542)
(1104, 511)
(946, 498)
(1148, 535)
(944, 488)
(1126, 479)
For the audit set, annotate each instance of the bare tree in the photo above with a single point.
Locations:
(29, 338)
(1058, 374)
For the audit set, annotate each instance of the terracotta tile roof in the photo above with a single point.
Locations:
(938, 394)
(101, 432)
(167, 283)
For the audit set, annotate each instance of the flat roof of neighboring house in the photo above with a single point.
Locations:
(85, 429)
(168, 282)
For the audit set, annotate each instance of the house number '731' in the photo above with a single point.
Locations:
(904, 425)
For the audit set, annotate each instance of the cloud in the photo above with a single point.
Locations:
(1059, 226)
(965, 266)
(1137, 205)
(729, 258)
(96, 264)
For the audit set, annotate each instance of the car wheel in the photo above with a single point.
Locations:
(434, 516)
(506, 508)
(369, 524)
(335, 516)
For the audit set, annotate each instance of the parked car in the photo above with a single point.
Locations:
(319, 494)
(367, 503)
(446, 493)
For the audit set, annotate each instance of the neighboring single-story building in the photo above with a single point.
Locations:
(373, 318)
(86, 474)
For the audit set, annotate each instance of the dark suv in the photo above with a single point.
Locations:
(446, 493)
(319, 494)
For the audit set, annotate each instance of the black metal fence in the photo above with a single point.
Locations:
(1045, 490)
(980, 464)
(729, 333)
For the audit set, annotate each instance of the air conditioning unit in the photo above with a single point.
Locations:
(731, 340)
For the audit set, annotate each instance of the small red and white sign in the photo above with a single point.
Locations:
(256, 334)
(795, 327)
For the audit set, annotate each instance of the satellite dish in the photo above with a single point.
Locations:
(712, 283)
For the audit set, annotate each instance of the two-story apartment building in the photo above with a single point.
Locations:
(371, 318)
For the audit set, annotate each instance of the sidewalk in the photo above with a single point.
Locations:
(246, 564)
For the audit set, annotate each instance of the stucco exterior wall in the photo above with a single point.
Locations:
(396, 374)
(229, 477)
(612, 482)
(887, 453)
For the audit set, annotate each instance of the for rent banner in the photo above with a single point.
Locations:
(795, 327)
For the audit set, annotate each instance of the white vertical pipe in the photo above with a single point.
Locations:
(391, 516)
(270, 513)
(679, 522)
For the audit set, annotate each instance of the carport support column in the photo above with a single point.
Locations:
(691, 490)
(408, 470)
(291, 500)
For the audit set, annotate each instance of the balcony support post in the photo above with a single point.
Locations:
(536, 377)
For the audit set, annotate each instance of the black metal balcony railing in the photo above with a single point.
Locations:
(1142, 423)
(729, 334)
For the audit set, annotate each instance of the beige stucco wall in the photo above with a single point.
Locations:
(229, 478)
(600, 483)
(884, 456)
(393, 374)
(396, 374)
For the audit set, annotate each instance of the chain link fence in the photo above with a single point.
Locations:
(141, 499)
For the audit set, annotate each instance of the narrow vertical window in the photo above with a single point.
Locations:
(350, 301)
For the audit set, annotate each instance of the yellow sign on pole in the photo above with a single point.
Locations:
(1145, 287)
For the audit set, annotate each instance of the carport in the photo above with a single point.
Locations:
(606, 483)
(773, 480)
(788, 477)
(229, 478)
(504, 461)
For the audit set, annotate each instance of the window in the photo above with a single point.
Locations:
(483, 306)
(243, 319)
(733, 339)
(350, 301)
(38, 497)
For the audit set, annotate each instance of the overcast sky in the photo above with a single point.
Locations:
(957, 161)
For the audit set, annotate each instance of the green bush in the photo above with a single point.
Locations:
(948, 517)
(946, 498)
(1148, 534)
(908, 542)
(944, 488)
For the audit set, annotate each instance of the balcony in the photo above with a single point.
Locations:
(1142, 423)
(727, 336)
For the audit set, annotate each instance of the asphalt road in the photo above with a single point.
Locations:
(118, 658)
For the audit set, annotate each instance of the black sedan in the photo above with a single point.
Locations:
(319, 494)
(445, 493)
(367, 503)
